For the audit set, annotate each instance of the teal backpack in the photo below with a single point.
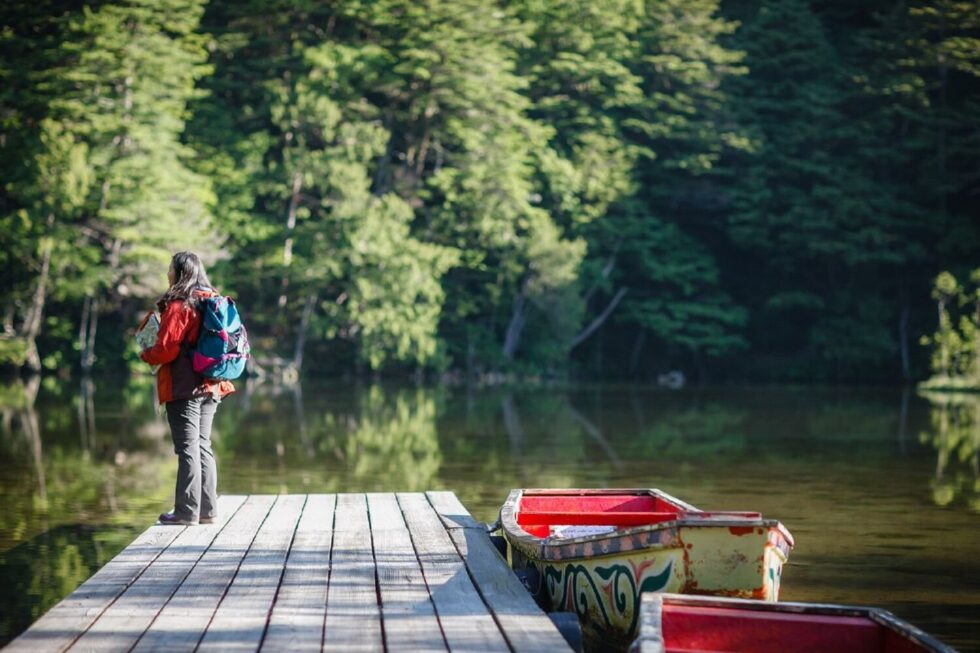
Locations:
(222, 345)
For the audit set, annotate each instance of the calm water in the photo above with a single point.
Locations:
(880, 488)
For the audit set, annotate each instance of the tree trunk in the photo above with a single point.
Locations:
(32, 323)
(944, 353)
(83, 331)
(287, 248)
(598, 321)
(903, 338)
(86, 333)
(423, 154)
(606, 271)
(517, 319)
(382, 168)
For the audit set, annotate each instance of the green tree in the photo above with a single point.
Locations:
(465, 153)
(633, 90)
(682, 127)
(944, 49)
(956, 341)
(104, 192)
(334, 257)
(808, 201)
(45, 179)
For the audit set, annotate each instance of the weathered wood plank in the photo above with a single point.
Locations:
(297, 618)
(123, 622)
(184, 619)
(649, 637)
(351, 573)
(525, 626)
(63, 623)
(407, 611)
(353, 620)
(465, 620)
(240, 620)
(451, 510)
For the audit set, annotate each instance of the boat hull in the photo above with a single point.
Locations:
(672, 623)
(601, 577)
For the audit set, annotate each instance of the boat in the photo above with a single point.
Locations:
(594, 552)
(678, 623)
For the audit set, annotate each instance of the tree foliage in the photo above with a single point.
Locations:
(751, 190)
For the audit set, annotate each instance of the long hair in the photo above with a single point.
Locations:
(189, 275)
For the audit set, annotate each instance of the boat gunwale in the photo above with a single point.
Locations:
(880, 616)
(665, 534)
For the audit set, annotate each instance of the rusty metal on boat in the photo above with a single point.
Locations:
(596, 551)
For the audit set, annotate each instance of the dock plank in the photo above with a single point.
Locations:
(467, 623)
(122, 623)
(297, 618)
(240, 620)
(353, 621)
(451, 510)
(185, 617)
(62, 624)
(523, 623)
(348, 572)
(409, 617)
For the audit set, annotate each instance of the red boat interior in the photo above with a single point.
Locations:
(700, 629)
(538, 513)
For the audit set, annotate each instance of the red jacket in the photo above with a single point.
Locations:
(176, 379)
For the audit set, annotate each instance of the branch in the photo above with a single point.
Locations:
(606, 271)
(598, 321)
(596, 435)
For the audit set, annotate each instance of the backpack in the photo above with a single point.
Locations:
(222, 344)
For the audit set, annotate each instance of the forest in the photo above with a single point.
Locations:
(768, 190)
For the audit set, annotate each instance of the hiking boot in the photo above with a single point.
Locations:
(171, 519)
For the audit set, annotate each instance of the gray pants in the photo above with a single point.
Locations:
(196, 495)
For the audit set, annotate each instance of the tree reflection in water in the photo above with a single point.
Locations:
(955, 434)
(393, 442)
(73, 494)
(88, 466)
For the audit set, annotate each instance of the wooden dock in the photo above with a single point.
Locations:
(346, 572)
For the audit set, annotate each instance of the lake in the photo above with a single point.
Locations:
(880, 487)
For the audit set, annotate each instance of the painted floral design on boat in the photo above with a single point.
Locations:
(610, 601)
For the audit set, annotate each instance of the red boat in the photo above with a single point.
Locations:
(676, 623)
(595, 551)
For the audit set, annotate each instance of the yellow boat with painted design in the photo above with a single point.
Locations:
(594, 552)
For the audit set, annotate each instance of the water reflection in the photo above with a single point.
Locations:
(955, 434)
(88, 465)
(72, 494)
(393, 438)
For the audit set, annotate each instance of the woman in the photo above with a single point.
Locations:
(191, 400)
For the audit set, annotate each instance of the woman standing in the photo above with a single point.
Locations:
(191, 399)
